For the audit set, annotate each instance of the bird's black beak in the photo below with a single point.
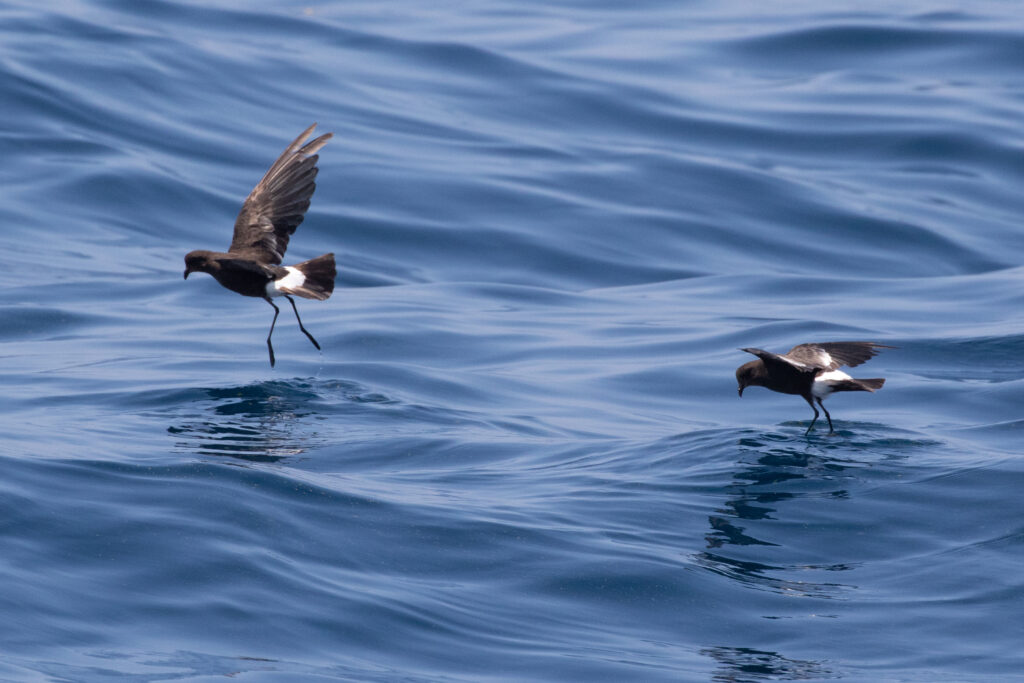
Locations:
(741, 392)
(186, 273)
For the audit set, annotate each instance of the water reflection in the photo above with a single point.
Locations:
(770, 473)
(763, 576)
(742, 664)
(744, 544)
(751, 540)
(262, 422)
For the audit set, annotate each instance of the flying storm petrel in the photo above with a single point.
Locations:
(275, 207)
(811, 371)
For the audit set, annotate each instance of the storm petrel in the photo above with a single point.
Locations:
(811, 371)
(276, 206)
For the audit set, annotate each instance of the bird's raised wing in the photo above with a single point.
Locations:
(774, 361)
(833, 355)
(278, 203)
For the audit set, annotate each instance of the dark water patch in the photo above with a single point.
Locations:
(836, 46)
(993, 359)
(33, 322)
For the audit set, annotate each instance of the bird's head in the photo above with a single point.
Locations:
(750, 375)
(200, 262)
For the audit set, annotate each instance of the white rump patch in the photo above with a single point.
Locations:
(286, 284)
(822, 386)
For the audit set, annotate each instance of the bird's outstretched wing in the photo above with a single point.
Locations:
(780, 362)
(278, 203)
(833, 355)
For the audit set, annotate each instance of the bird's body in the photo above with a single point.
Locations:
(270, 214)
(810, 371)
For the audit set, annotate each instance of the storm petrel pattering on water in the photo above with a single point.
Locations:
(811, 371)
(275, 207)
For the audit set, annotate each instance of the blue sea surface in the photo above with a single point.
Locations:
(520, 455)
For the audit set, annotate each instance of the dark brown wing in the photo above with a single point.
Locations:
(833, 355)
(278, 203)
(778, 363)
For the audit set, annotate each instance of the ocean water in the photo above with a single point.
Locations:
(520, 454)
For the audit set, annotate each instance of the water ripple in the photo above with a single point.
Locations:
(520, 453)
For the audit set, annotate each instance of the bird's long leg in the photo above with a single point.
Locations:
(304, 330)
(827, 416)
(810, 426)
(270, 347)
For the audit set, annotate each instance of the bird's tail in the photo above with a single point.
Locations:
(858, 384)
(320, 273)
